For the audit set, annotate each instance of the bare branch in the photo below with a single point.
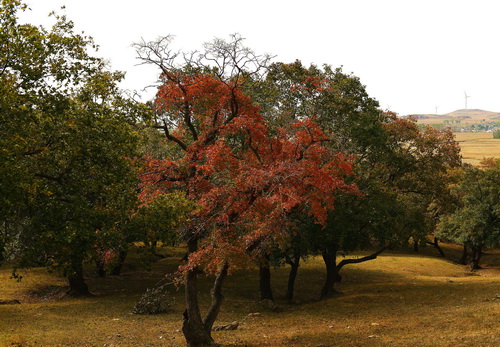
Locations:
(169, 136)
(233, 60)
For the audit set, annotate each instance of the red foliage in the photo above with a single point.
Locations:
(244, 179)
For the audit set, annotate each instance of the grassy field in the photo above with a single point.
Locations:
(399, 299)
(476, 146)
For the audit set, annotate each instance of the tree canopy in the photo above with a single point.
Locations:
(245, 178)
(475, 222)
(67, 138)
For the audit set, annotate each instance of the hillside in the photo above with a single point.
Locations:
(462, 120)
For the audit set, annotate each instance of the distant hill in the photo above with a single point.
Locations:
(475, 113)
(462, 120)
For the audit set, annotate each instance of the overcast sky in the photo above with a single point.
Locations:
(413, 56)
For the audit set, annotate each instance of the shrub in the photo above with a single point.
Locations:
(153, 301)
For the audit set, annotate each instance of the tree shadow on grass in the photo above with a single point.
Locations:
(358, 281)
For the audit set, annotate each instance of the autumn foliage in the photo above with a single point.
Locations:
(245, 179)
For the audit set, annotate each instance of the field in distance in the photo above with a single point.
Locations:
(476, 146)
(473, 130)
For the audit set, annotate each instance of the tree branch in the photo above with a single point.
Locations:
(360, 260)
(217, 298)
(170, 137)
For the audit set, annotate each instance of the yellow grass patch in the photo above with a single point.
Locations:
(477, 146)
(401, 298)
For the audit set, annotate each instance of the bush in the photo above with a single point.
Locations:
(153, 301)
(496, 134)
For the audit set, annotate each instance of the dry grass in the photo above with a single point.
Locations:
(476, 146)
(399, 299)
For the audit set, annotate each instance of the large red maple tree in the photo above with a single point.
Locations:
(244, 178)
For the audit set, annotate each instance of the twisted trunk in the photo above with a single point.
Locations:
(192, 326)
(196, 330)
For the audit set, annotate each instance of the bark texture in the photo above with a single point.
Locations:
(196, 330)
(77, 284)
(266, 292)
(192, 326)
(294, 263)
(330, 258)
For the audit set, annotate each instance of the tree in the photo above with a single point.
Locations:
(400, 169)
(345, 112)
(158, 221)
(67, 138)
(244, 178)
(475, 223)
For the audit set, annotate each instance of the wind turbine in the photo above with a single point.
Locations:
(436, 107)
(466, 97)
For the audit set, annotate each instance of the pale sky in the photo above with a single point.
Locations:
(413, 56)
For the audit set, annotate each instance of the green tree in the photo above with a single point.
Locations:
(476, 221)
(354, 124)
(67, 135)
(400, 169)
(159, 219)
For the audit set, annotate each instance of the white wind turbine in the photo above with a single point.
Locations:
(466, 97)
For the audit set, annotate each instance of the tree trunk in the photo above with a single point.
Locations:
(77, 285)
(100, 269)
(415, 246)
(192, 327)
(292, 276)
(329, 257)
(266, 292)
(463, 259)
(117, 268)
(476, 256)
(217, 298)
(436, 245)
